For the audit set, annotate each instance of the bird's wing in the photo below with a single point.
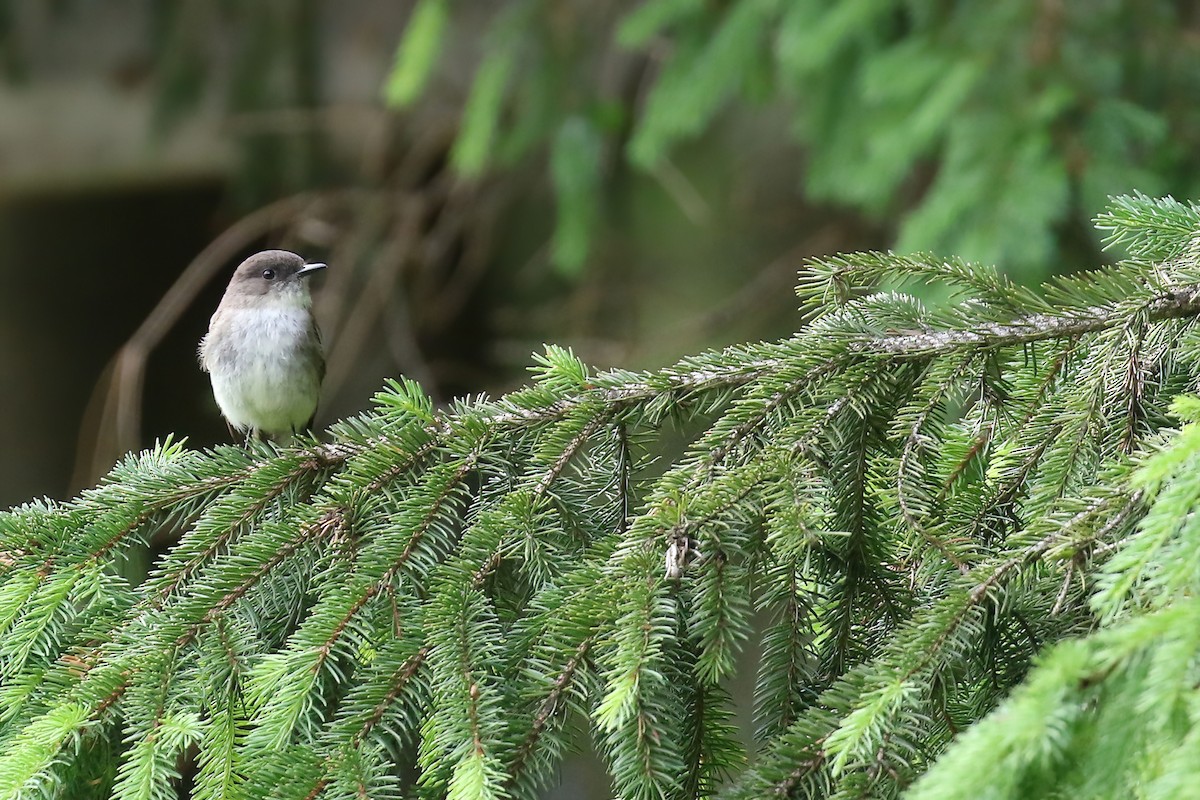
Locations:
(315, 346)
(319, 347)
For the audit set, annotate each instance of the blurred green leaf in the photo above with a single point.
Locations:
(812, 32)
(989, 211)
(417, 53)
(478, 132)
(481, 116)
(575, 168)
(652, 17)
(699, 80)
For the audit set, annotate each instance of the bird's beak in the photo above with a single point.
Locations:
(309, 269)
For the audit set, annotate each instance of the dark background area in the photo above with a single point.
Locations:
(81, 269)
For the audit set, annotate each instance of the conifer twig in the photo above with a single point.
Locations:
(1178, 303)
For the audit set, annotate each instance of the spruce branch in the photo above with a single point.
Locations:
(175, 575)
(897, 500)
(906, 659)
(913, 442)
(328, 526)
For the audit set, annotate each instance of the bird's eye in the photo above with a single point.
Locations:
(269, 274)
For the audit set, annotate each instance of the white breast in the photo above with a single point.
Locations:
(261, 373)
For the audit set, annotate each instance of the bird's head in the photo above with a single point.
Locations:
(274, 277)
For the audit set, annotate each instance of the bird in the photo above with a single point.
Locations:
(263, 350)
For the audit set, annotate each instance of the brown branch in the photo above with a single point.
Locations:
(556, 469)
(355, 334)
(719, 453)
(1046, 543)
(812, 763)
(547, 480)
(1181, 303)
(547, 710)
(318, 787)
(399, 680)
(165, 504)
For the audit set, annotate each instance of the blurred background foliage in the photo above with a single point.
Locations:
(634, 179)
(988, 130)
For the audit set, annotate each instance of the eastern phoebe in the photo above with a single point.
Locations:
(263, 349)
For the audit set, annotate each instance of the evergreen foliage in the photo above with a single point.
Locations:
(961, 544)
(985, 127)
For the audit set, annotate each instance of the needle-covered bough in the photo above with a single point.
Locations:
(957, 545)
